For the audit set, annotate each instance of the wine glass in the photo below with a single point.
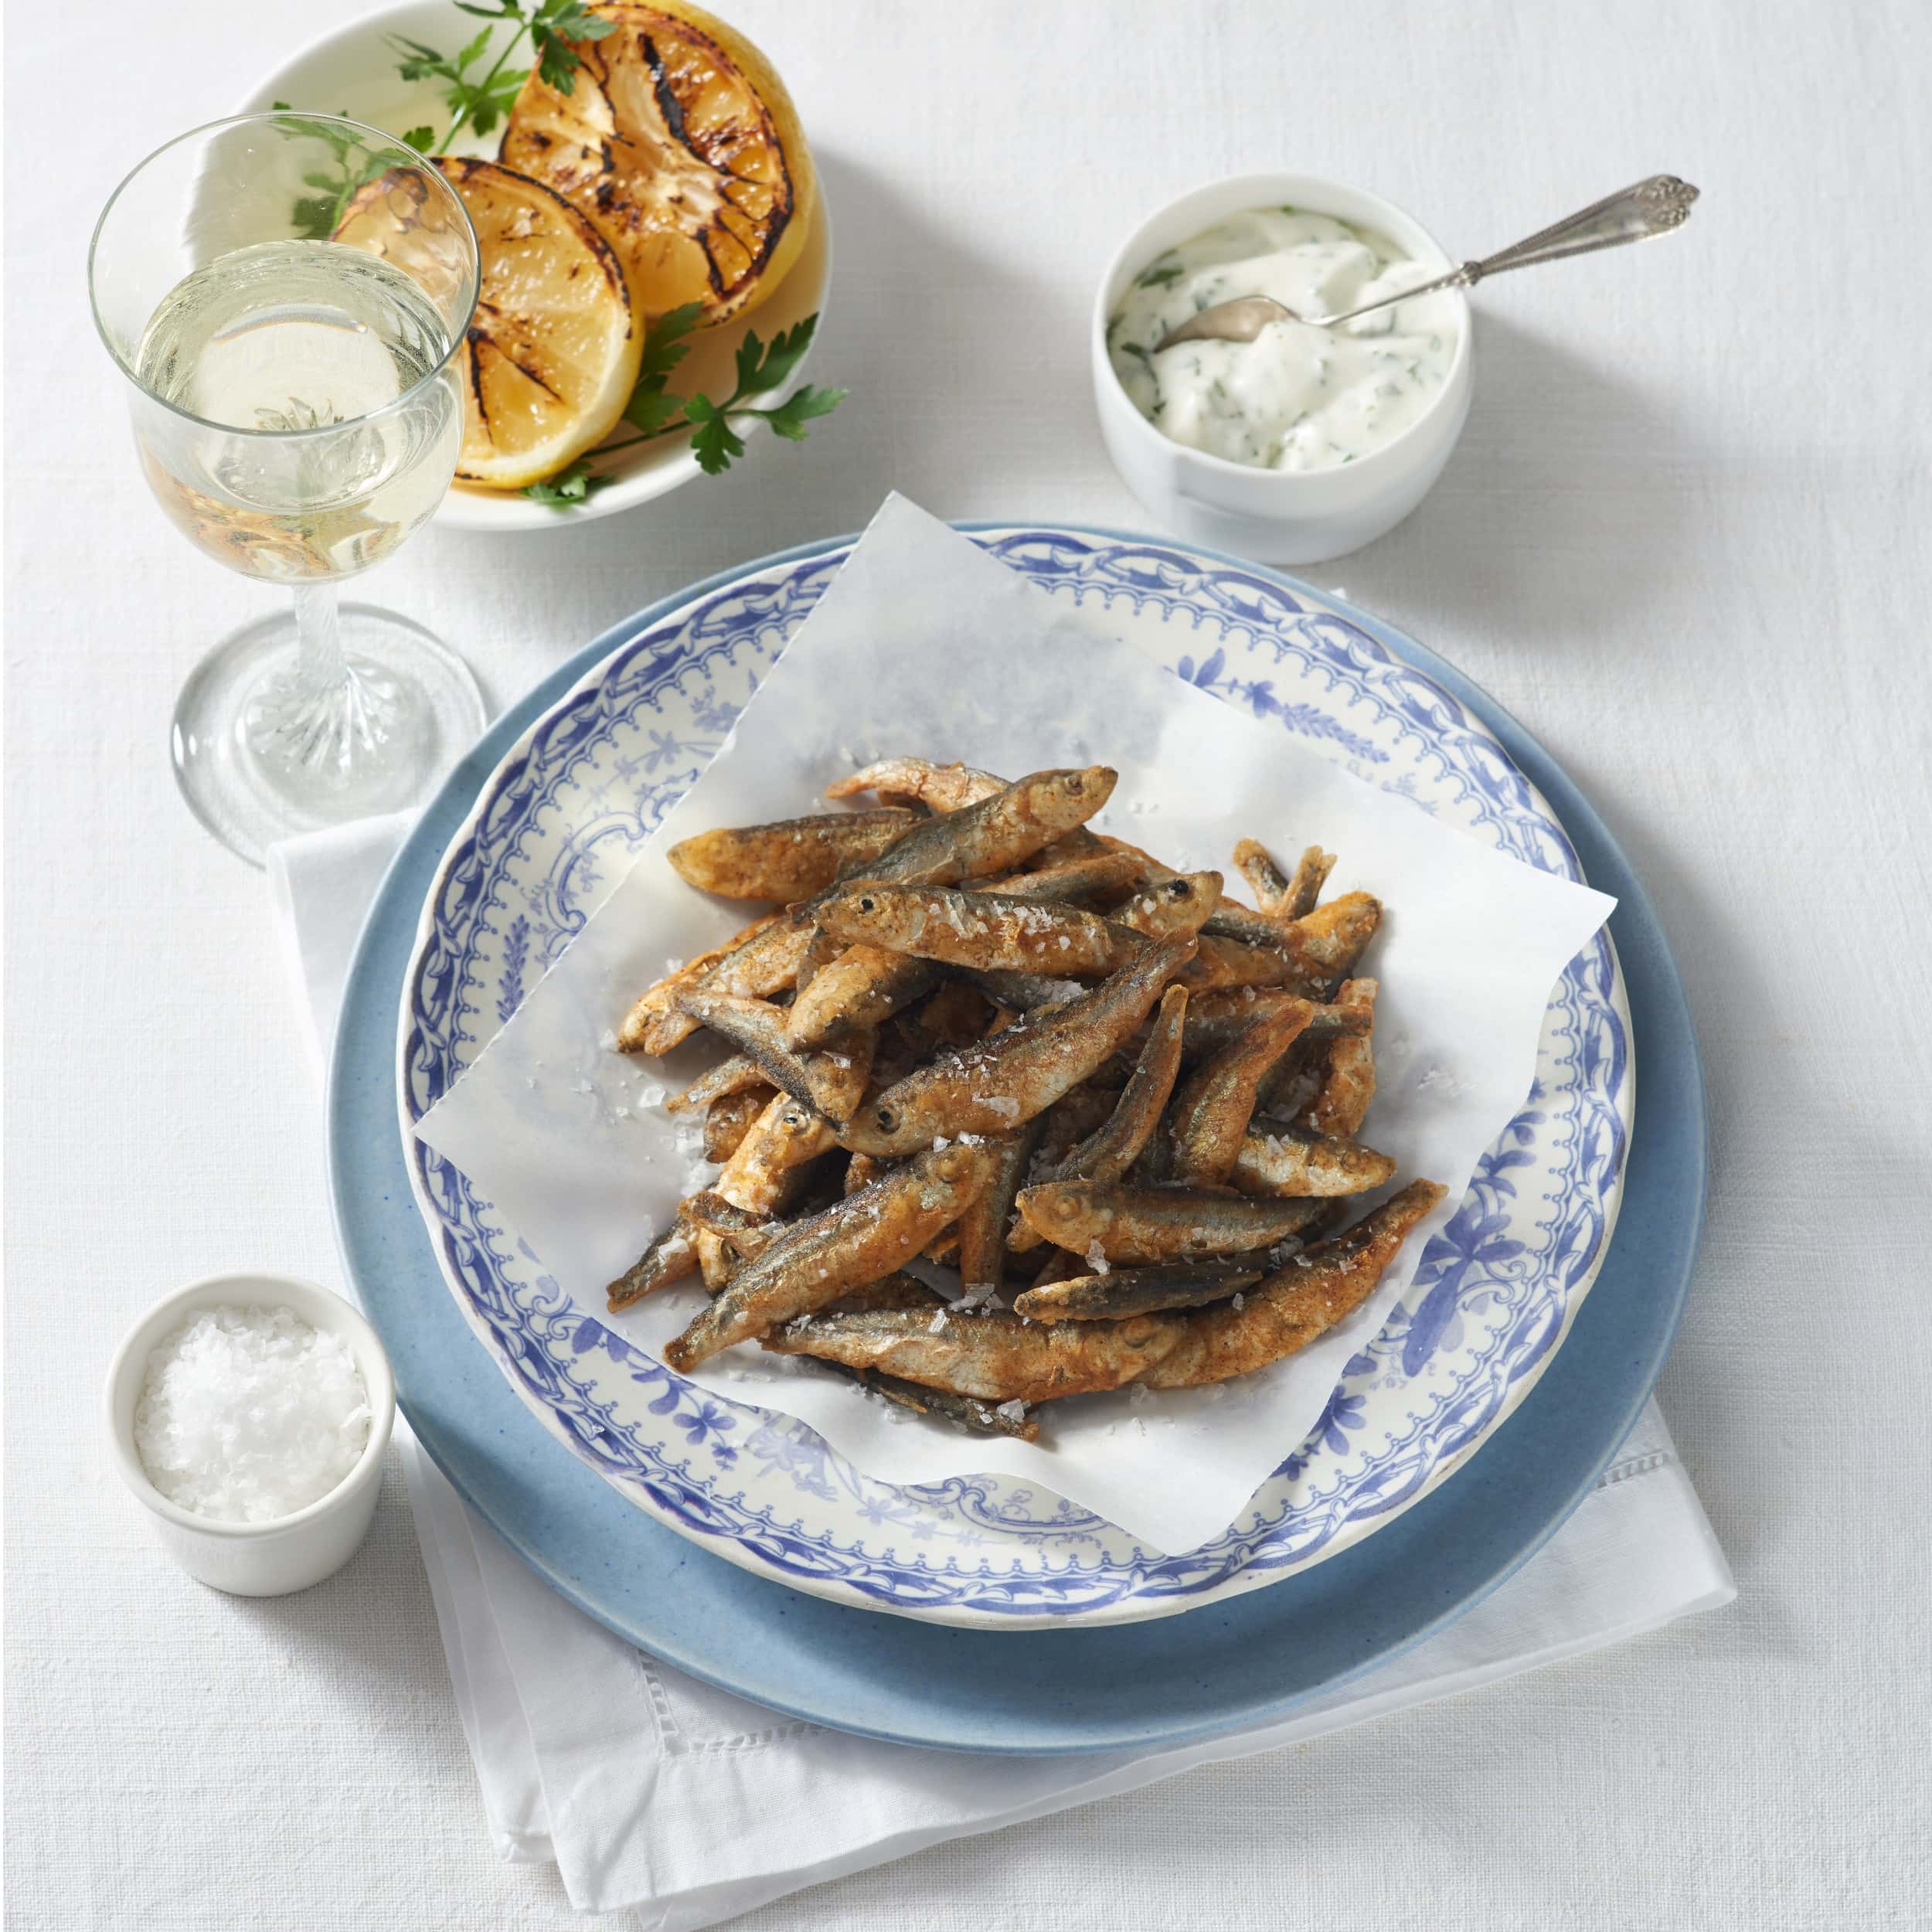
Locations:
(286, 294)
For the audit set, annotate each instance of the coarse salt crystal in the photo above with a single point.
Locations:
(1097, 1258)
(937, 1324)
(249, 1414)
(1013, 1411)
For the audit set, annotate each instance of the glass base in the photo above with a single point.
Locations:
(262, 756)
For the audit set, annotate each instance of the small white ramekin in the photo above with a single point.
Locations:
(1275, 516)
(265, 1558)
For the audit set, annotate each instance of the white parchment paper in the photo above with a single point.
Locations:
(925, 644)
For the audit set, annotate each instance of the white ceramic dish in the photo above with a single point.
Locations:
(265, 1558)
(351, 71)
(1274, 516)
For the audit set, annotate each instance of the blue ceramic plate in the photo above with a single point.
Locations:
(1236, 1659)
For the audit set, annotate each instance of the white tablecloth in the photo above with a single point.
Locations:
(1685, 539)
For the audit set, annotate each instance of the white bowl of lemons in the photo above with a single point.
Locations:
(636, 225)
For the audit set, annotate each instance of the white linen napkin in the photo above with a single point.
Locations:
(636, 1781)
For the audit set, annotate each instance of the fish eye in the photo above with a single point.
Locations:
(886, 1118)
(1180, 889)
(868, 904)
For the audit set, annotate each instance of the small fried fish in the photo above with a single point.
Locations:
(1264, 876)
(1292, 1160)
(853, 1241)
(861, 987)
(1015, 1075)
(1311, 873)
(1301, 1300)
(670, 1257)
(731, 1076)
(1122, 1292)
(989, 932)
(983, 1228)
(790, 859)
(1341, 1104)
(994, 1357)
(728, 1120)
(1111, 1150)
(1211, 1113)
(1181, 902)
(1138, 1226)
(943, 788)
(830, 1082)
(767, 1168)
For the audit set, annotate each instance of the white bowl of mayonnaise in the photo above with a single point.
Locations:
(1304, 443)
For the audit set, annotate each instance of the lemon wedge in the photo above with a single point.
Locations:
(553, 350)
(680, 140)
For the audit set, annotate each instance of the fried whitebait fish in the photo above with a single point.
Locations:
(832, 1083)
(767, 1168)
(1112, 1147)
(729, 1119)
(791, 858)
(943, 788)
(983, 1228)
(1289, 1160)
(1137, 1225)
(1122, 1292)
(854, 1241)
(670, 1257)
(988, 931)
(1018, 1073)
(1301, 1300)
(995, 834)
(1341, 1104)
(1211, 1113)
(994, 1357)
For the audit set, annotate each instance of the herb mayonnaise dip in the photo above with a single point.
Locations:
(1295, 398)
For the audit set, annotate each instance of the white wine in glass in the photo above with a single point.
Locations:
(296, 410)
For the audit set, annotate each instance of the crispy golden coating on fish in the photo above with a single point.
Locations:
(859, 988)
(1181, 903)
(1019, 1073)
(979, 1033)
(983, 1228)
(1265, 878)
(943, 788)
(670, 1257)
(789, 859)
(849, 1244)
(1311, 871)
(994, 1357)
(1211, 1112)
(1301, 1299)
(1121, 1292)
(728, 1120)
(767, 1168)
(830, 1082)
(1341, 1104)
(988, 931)
(1281, 1159)
(1137, 1226)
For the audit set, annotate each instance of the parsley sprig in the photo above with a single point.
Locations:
(479, 96)
(317, 213)
(654, 411)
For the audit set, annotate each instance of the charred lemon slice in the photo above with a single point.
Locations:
(552, 354)
(680, 140)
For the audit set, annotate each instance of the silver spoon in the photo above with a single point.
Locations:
(1651, 207)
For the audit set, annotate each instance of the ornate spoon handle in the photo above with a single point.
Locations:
(1652, 207)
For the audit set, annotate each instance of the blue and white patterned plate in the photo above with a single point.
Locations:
(554, 828)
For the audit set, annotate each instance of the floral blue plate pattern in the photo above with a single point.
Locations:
(562, 816)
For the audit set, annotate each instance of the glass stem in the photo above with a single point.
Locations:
(320, 669)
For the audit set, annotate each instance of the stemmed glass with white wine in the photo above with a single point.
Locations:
(286, 294)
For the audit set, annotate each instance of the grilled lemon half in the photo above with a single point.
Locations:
(680, 140)
(553, 349)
